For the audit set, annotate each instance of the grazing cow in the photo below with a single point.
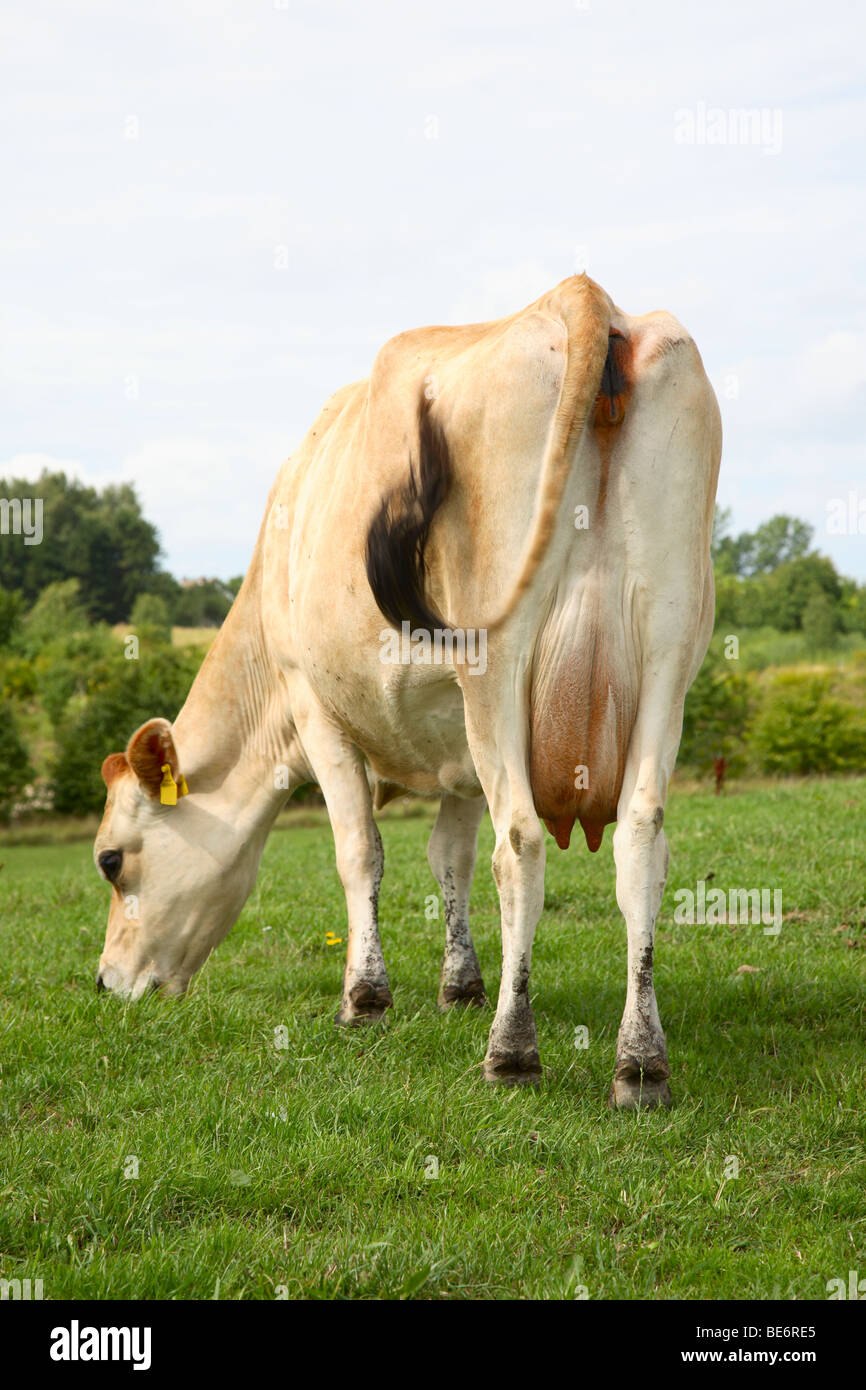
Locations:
(527, 507)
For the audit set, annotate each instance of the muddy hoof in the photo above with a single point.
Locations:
(366, 1003)
(512, 1068)
(640, 1088)
(470, 995)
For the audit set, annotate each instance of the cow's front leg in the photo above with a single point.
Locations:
(641, 854)
(451, 855)
(340, 772)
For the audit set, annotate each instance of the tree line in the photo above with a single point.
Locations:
(102, 539)
(772, 577)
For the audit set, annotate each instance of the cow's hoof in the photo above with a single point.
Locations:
(469, 995)
(640, 1088)
(365, 1003)
(512, 1068)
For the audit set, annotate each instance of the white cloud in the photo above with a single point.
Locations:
(834, 369)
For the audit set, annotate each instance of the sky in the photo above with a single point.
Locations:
(215, 213)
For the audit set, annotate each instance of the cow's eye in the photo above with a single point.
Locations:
(109, 863)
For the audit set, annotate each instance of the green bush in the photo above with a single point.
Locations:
(820, 622)
(98, 539)
(802, 726)
(67, 668)
(204, 604)
(11, 610)
(58, 611)
(133, 692)
(150, 618)
(15, 769)
(17, 678)
(715, 715)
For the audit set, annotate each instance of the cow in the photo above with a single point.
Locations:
(540, 487)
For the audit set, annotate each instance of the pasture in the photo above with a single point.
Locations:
(189, 1149)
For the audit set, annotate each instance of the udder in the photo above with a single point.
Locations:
(584, 697)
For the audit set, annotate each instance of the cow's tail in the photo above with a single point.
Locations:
(397, 538)
(584, 310)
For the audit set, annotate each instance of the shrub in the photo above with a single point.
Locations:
(715, 715)
(134, 692)
(71, 665)
(57, 612)
(11, 609)
(820, 622)
(802, 726)
(150, 618)
(15, 769)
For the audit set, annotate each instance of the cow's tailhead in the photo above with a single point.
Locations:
(179, 869)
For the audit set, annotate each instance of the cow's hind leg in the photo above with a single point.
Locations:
(451, 855)
(360, 861)
(340, 772)
(518, 868)
(495, 728)
(641, 854)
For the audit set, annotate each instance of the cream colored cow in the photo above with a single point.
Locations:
(539, 489)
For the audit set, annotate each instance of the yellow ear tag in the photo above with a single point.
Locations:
(168, 787)
(182, 788)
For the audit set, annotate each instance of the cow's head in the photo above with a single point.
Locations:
(179, 870)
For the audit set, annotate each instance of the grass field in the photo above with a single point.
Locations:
(263, 1169)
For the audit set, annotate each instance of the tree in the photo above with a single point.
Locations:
(715, 714)
(67, 667)
(11, 609)
(100, 538)
(728, 595)
(203, 604)
(776, 542)
(15, 769)
(166, 587)
(58, 611)
(788, 589)
(150, 618)
(820, 622)
(852, 613)
(129, 693)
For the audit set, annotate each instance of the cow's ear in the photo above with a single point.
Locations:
(150, 748)
(113, 766)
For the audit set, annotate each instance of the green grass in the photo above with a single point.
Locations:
(305, 1167)
(761, 648)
